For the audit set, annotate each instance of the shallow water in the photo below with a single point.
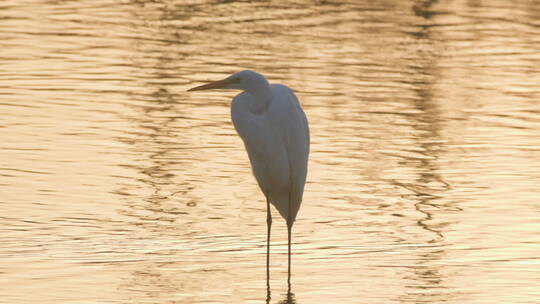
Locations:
(117, 186)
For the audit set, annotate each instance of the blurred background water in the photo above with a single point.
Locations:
(117, 186)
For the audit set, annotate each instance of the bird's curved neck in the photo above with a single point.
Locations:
(263, 96)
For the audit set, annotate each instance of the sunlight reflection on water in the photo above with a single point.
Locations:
(118, 187)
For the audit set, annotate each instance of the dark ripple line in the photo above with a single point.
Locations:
(25, 171)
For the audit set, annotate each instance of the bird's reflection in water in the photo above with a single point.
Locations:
(268, 293)
(289, 296)
(288, 299)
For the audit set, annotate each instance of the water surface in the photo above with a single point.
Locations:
(117, 186)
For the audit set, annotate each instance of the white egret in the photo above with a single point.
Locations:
(275, 132)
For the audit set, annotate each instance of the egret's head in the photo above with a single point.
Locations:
(244, 80)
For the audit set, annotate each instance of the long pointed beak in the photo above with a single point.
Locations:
(212, 85)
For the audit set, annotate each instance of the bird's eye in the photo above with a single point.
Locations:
(235, 80)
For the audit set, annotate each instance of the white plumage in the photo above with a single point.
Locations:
(275, 132)
(276, 138)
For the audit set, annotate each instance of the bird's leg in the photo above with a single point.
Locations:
(289, 229)
(290, 222)
(269, 226)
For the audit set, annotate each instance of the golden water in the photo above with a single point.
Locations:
(117, 186)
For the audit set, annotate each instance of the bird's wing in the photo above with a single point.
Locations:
(296, 131)
(266, 157)
(277, 142)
